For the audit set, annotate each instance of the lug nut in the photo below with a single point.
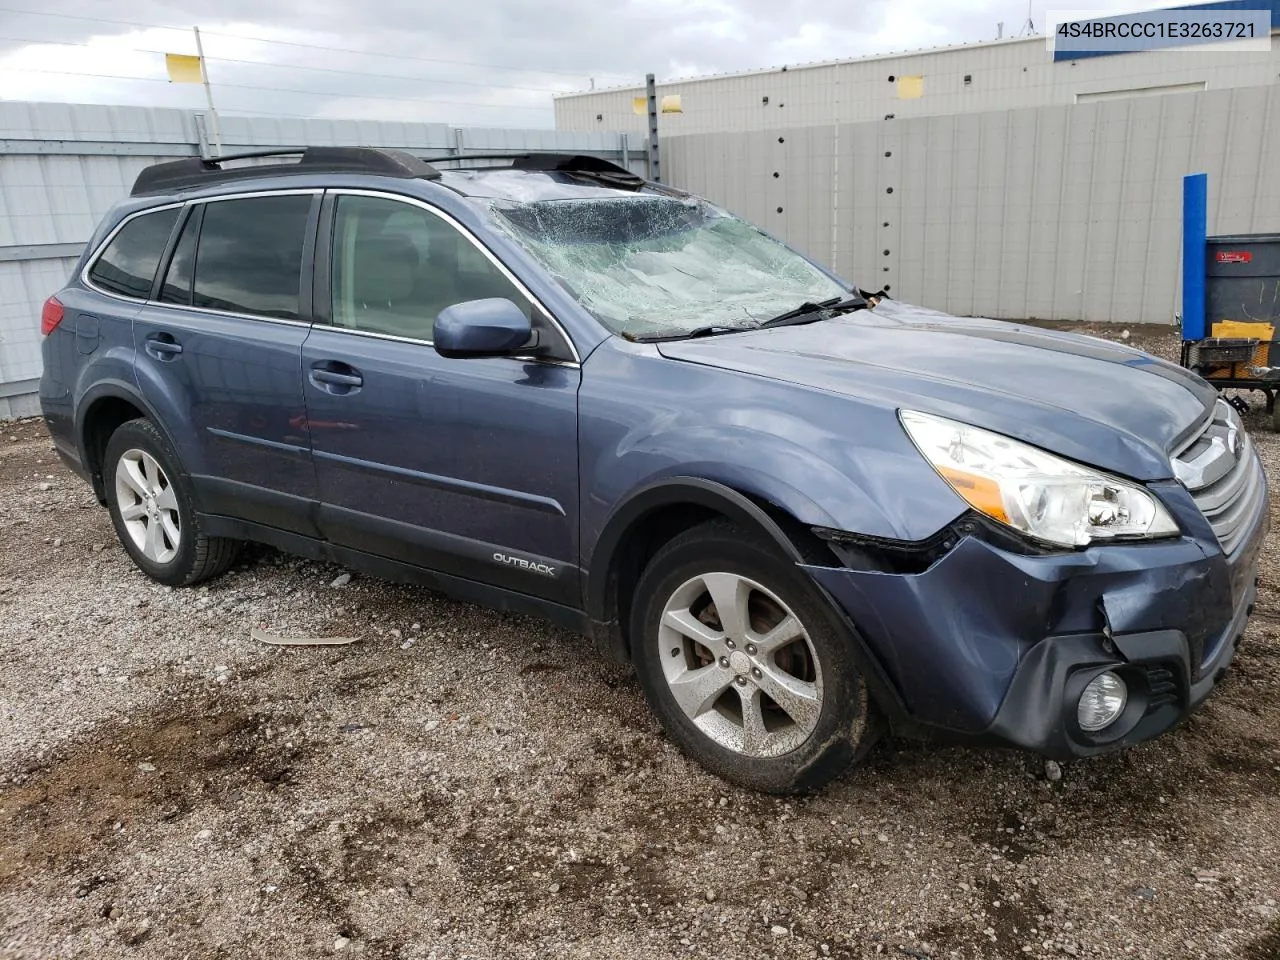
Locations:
(751, 649)
(742, 681)
(755, 672)
(724, 662)
(729, 643)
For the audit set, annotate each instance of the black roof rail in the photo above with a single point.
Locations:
(197, 172)
(583, 164)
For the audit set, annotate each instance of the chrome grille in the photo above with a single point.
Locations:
(1222, 471)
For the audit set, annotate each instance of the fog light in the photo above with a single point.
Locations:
(1102, 702)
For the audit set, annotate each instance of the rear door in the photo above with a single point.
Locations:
(219, 349)
(466, 466)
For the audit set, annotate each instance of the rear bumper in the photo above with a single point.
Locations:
(996, 647)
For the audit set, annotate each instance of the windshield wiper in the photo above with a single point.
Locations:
(712, 330)
(810, 312)
(805, 313)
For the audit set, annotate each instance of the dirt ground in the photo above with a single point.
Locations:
(461, 783)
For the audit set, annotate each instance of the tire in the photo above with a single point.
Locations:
(828, 722)
(152, 508)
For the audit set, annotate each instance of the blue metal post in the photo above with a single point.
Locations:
(1195, 206)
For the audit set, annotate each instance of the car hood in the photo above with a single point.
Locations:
(1091, 400)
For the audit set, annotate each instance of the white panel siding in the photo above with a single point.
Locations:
(1069, 212)
(24, 286)
(1004, 75)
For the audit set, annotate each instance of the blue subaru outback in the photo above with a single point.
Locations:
(803, 512)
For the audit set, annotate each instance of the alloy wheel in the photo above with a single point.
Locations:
(740, 665)
(148, 505)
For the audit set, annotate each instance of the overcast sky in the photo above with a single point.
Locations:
(467, 62)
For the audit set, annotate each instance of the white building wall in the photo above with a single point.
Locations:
(1059, 213)
(1003, 75)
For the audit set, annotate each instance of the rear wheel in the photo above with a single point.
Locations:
(745, 664)
(152, 508)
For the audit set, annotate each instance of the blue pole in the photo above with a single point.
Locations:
(1195, 205)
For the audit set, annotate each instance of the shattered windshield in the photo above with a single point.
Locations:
(649, 265)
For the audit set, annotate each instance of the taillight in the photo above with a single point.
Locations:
(50, 316)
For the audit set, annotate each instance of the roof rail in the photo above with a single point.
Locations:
(597, 168)
(197, 172)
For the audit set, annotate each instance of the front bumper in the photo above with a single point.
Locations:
(1038, 713)
(996, 646)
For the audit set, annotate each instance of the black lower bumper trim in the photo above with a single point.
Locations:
(1039, 711)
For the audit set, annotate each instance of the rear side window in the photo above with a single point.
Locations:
(127, 266)
(249, 256)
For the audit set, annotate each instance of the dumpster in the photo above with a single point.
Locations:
(1231, 304)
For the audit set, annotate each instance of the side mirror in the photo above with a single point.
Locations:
(483, 328)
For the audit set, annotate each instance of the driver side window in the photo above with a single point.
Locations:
(395, 267)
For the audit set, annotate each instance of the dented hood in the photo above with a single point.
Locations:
(1090, 400)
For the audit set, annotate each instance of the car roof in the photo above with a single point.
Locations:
(520, 177)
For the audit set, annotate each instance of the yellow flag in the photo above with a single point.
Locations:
(640, 106)
(183, 68)
(671, 104)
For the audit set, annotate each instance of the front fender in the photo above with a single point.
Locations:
(670, 491)
(825, 460)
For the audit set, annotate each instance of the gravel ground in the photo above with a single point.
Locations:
(461, 783)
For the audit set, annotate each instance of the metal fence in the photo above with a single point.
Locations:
(62, 166)
(1058, 213)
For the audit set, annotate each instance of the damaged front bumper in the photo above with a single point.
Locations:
(990, 644)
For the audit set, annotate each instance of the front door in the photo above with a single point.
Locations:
(464, 466)
(219, 352)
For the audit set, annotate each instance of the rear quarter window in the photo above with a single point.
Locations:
(127, 267)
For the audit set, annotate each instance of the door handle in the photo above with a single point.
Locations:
(333, 376)
(336, 377)
(162, 346)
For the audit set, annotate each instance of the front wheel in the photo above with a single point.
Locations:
(153, 510)
(745, 664)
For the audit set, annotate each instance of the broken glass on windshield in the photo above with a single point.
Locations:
(649, 265)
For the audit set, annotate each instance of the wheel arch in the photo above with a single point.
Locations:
(101, 411)
(650, 518)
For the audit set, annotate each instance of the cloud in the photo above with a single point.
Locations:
(491, 63)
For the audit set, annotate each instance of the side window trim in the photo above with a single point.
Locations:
(322, 275)
(323, 304)
(194, 211)
(306, 283)
(106, 242)
(315, 193)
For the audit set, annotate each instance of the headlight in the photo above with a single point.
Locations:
(1041, 495)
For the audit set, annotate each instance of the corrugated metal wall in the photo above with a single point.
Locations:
(62, 166)
(975, 78)
(1064, 213)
